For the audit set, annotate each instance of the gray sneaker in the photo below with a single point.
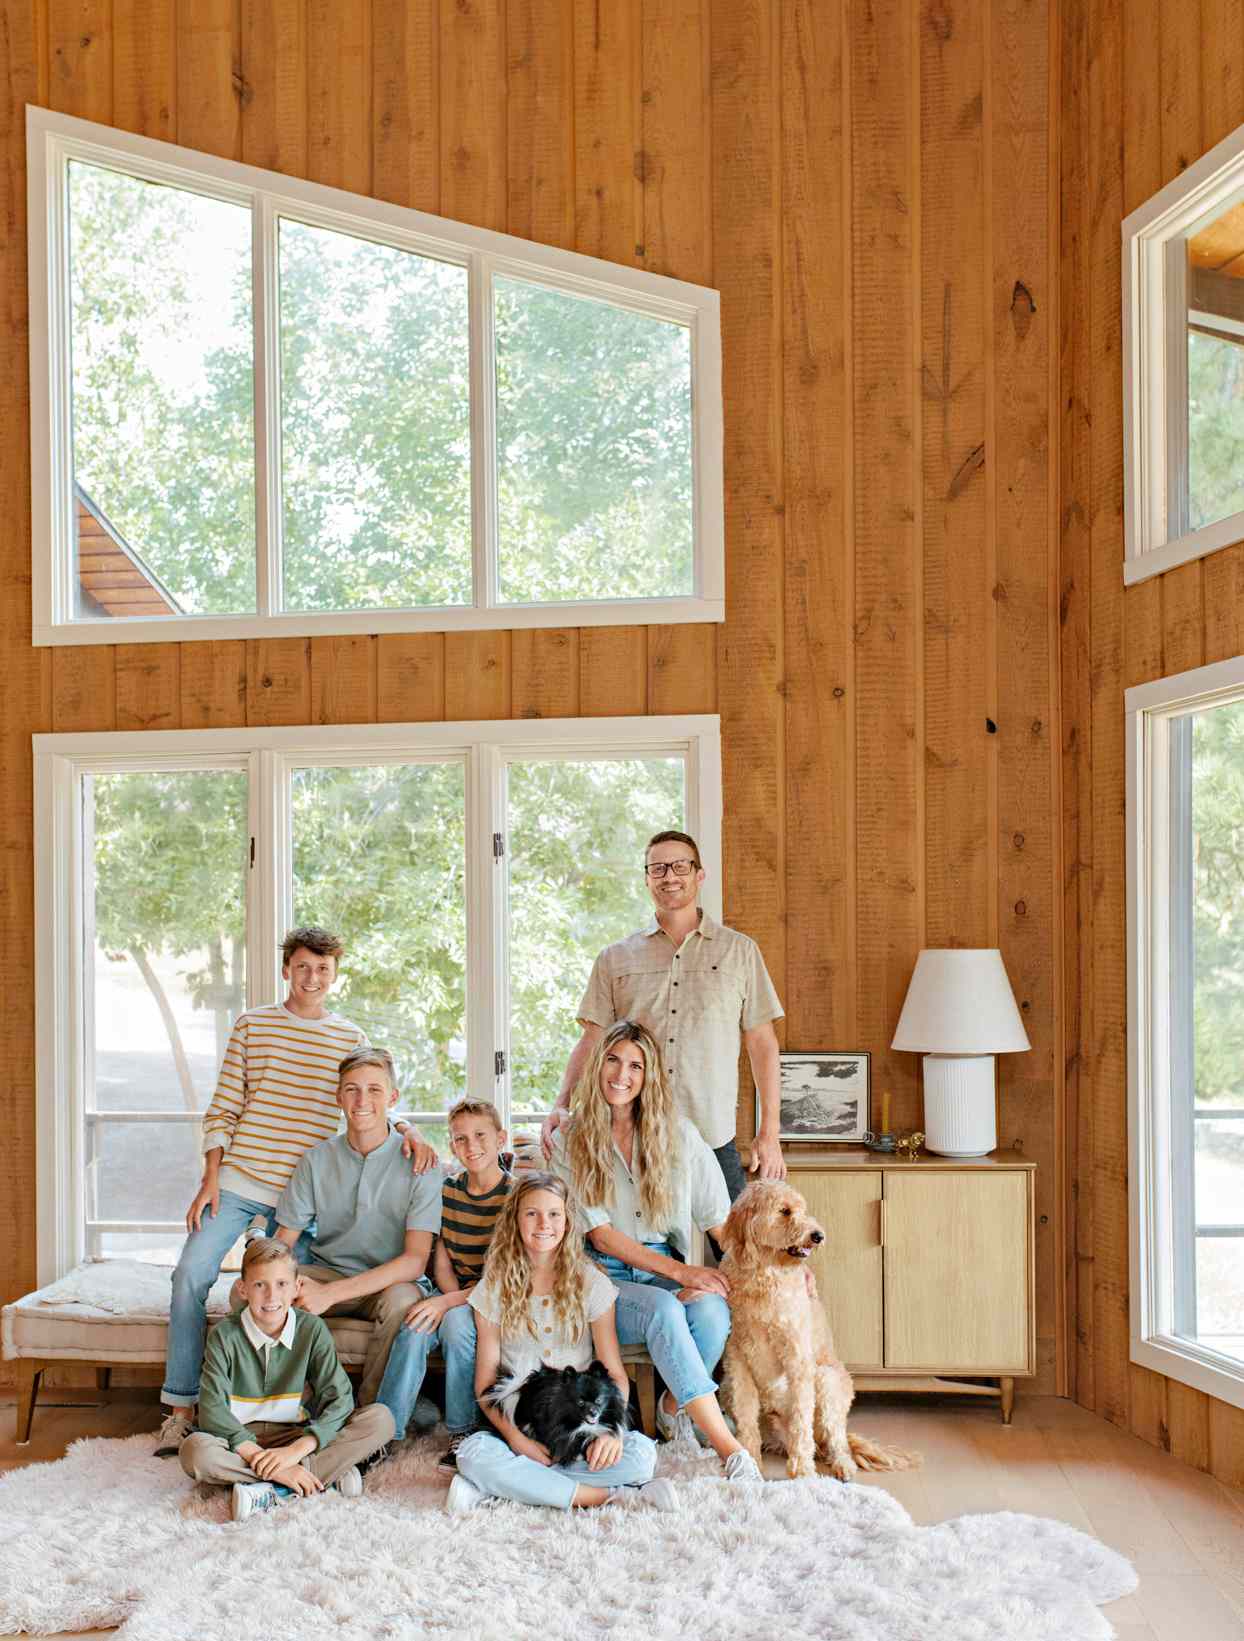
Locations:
(350, 1483)
(463, 1496)
(740, 1466)
(251, 1498)
(176, 1427)
(675, 1427)
(660, 1494)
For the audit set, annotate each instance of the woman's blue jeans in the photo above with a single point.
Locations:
(199, 1266)
(408, 1361)
(685, 1342)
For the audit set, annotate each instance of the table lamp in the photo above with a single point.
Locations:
(960, 1011)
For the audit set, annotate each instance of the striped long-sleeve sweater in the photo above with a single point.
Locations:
(276, 1096)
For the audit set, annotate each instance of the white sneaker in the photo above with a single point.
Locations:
(463, 1496)
(176, 1427)
(740, 1466)
(250, 1498)
(350, 1483)
(675, 1427)
(660, 1494)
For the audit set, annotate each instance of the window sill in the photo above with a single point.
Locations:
(1190, 1364)
(1211, 538)
(181, 629)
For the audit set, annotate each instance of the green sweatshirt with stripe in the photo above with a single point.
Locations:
(302, 1384)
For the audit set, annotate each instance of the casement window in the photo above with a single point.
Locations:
(1183, 339)
(1186, 1026)
(473, 869)
(261, 406)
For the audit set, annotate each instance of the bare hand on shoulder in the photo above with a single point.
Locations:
(422, 1156)
(548, 1128)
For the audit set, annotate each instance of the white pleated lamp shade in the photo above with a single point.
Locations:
(960, 1002)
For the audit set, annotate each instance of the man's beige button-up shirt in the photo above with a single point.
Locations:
(695, 1000)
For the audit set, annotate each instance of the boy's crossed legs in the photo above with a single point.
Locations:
(211, 1459)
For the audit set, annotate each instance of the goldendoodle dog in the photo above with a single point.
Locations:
(780, 1362)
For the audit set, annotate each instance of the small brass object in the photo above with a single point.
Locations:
(909, 1147)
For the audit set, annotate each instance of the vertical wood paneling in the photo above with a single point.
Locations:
(673, 162)
(406, 153)
(1183, 619)
(1142, 98)
(208, 52)
(144, 67)
(477, 675)
(682, 669)
(148, 686)
(411, 687)
(959, 604)
(1222, 68)
(213, 685)
(1025, 746)
(608, 214)
(1143, 633)
(818, 640)
(273, 85)
(1224, 604)
(1108, 972)
(278, 680)
(343, 680)
(1187, 1420)
(888, 591)
(545, 672)
(613, 671)
(539, 123)
(80, 57)
(472, 117)
(1181, 87)
(339, 127)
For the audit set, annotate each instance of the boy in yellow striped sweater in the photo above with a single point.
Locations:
(276, 1413)
(275, 1098)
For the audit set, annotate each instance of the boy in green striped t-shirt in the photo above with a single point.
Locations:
(470, 1204)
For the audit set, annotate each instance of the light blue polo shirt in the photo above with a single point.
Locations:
(362, 1207)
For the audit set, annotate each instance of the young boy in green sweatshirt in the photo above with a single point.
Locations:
(276, 1412)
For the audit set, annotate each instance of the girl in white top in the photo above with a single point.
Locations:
(541, 1302)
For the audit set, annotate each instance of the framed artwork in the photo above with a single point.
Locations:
(824, 1097)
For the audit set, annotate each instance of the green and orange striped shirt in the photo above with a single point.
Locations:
(276, 1096)
(467, 1224)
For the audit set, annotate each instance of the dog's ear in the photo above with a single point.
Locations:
(734, 1233)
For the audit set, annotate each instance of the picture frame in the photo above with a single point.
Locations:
(824, 1097)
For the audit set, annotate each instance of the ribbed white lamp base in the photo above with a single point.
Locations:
(959, 1114)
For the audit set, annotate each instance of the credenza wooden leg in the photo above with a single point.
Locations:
(1007, 1388)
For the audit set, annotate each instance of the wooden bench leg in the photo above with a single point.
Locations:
(103, 1378)
(1007, 1389)
(29, 1374)
(646, 1379)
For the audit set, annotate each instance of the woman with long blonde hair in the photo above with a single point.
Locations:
(645, 1181)
(542, 1303)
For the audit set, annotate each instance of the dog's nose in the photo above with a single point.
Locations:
(818, 1236)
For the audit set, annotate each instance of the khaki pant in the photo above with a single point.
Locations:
(387, 1309)
(211, 1459)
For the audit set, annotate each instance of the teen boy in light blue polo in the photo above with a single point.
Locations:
(374, 1220)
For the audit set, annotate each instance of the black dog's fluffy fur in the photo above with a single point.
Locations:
(562, 1408)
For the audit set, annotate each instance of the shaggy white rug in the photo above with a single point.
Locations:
(110, 1535)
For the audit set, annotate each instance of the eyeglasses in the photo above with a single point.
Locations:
(680, 868)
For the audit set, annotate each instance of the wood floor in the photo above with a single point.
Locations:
(1183, 1530)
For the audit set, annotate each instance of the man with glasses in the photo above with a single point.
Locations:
(698, 987)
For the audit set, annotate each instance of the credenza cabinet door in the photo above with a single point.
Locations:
(957, 1264)
(848, 1265)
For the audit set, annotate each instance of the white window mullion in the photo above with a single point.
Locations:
(269, 905)
(484, 1021)
(484, 519)
(267, 366)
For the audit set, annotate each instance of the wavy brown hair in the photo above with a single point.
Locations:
(656, 1129)
(508, 1266)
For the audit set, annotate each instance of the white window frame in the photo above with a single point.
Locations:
(1155, 365)
(54, 139)
(1159, 1042)
(61, 762)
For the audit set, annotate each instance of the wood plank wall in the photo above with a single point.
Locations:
(1146, 88)
(871, 188)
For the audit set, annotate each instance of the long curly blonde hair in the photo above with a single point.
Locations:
(508, 1266)
(655, 1156)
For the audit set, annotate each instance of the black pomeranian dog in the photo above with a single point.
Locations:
(562, 1408)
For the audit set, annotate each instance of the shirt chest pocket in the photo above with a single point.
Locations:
(642, 994)
(709, 993)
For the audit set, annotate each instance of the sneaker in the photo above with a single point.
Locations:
(740, 1466)
(660, 1494)
(350, 1483)
(463, 1496)
(176, 1427)
(447, 1464)
(675, 1427)
(251, 1498)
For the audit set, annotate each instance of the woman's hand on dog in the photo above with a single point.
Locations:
(603, 1452)
(701, 1279)
(529, 1449)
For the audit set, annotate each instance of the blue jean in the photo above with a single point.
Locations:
(408, 1361)
(685, 1342)
(198, 1267)
(492, 1465)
